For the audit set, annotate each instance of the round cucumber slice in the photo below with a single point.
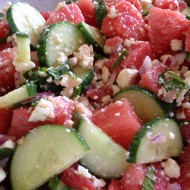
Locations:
(45, 152)
(146, 104)
(157, 140)
(62, 37)
(105, 158)
(24, 18)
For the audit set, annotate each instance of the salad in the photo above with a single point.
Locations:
(95, 95)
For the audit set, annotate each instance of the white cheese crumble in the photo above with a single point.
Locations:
(127, 77)
(85, 56)
(100, 63)
(42, 111)
(8, 144)
(171, 168)
(105, 75)
(69, 82)
(107, 49)
(176, 45)
(129, 42)
(113, 12)
(62, 58)
(2, 174)
(22, 66)
(60, 5)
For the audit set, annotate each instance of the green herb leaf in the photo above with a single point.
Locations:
(144, 12)
(120, 59)
(32, 89)
(56, 184)
(150, 179)
(100, 10)
(171, 81)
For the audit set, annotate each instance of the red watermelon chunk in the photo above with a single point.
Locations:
(127, 22)
(137, 53)
(134, 177)
(87, 9)
(119, 121)
(136, 3)
(163, 26)
(69, 12)
(150, 78)
(20, 125)
(167, 4)
(187, 40)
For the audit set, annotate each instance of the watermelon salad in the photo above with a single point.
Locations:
(95, 95)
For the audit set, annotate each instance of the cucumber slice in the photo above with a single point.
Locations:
(93, 36)
(62, 37)
(26, 19)
(105, 158)
(157, 140)
(186, 12)
(18, 95)
(86, 75)
(46, 151)
(146, 104)
(23, 47)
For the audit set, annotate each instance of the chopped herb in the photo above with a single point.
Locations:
(150, 179)
(120, 59)
(32, 89)
(35, 77)
(171, 81)
(144, 12)
(101, 10)
(56, 184)
(187, 17)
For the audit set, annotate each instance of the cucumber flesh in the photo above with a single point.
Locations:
(86, 75)
(45, 152)
(18, 95)
(62, 37)
(105, 158)
(93, 36)
(146, 104)
(26, 19)
(157, 140)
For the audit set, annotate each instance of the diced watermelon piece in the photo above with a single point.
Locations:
(45, 14)
(69, 12)
(71, 178)
(87, 9)
(167, 4)
(5, 118)
(182, 5)
(119, 121)
(137, 53)
(162, 181)
(7, 71)
(150, 78)
(114, 43)
(163, 26)
(136, 3)
(184, 158)
(185, 132)
(134, 177)
(115, 185)
(184, 176)
(96, 94)
(127, 23)
(4, 30)
(187, 40)
(20, 125)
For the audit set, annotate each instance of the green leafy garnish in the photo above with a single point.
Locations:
(120, 59)
(171, 81)
(56, 184)
(36, 77)
(144, 12)
(100, 10)
(150, 179)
